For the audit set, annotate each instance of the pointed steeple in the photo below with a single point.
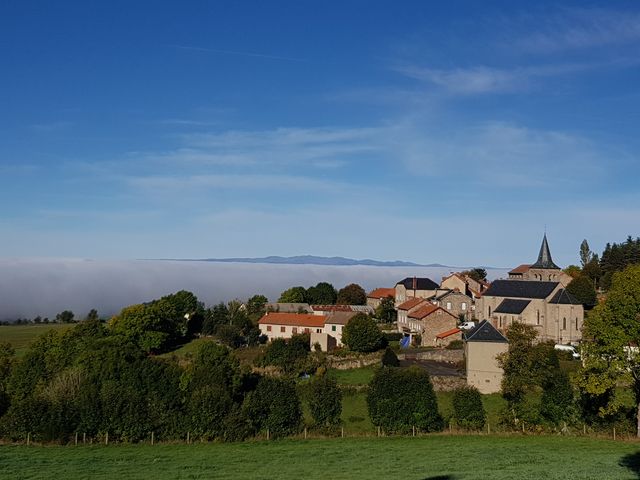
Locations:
(544, 257)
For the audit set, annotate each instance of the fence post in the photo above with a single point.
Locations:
(341, 432)
(76, 439)
(188, 439)
(106, 439)
(584, 428)
(414, 430)
(488, 428)
(305, 433)
(84, 437)
(450, 427)
(614, 432)
(378, 430)
(152, 437)
(267, 434)
(522, 427)
(28, 438)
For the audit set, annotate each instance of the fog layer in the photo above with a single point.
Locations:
(47, 286)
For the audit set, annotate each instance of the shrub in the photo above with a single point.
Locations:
(468, 410)
(290, 355)
(361, 334)
(325, 401)
(399, 399)
(557, 403)
(455, 345)
(390, 359)
(274, 405)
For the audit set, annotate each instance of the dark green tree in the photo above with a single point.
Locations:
(325, 401)
(468, 410)
(352, 294)
(386, 311)
(402, 398)
(65, 316)
(557, 403)
(293, 295)
(390, 359)
(361, 334)
(582, 288)
(322, 294)
(274, 405)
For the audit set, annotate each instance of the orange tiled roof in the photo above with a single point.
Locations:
(424, 311)
(411, 303)
(448, 333)
(521, 268)
(382, 293)
(293, 319)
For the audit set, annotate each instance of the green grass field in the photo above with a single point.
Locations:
(21, 336)
(355, 376)
(433, 457)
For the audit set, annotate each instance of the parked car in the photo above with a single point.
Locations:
(467, 325)
(568, 348)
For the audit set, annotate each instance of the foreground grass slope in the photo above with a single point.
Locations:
(438, 456)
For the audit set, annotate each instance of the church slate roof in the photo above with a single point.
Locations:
(520, 289)
(485, 332)
(421, 283)
(544, 257)
(564, 298)
(512, 305)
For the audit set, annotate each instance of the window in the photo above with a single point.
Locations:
(306, 330)
(464, 305)
(318, 330)
(294, 330)
(489, 312)
(576, 323)
(283, 329)
(333, 328)
(268, 328)
(564, 323)
(538, 320)
(448, 305)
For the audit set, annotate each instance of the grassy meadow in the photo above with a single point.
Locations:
(22, 336)
(431, 457)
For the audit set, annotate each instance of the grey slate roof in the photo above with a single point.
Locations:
(512, 305)
(565, 298)
(544, 257)
(485, 332)
(520, 289)
(421, 283)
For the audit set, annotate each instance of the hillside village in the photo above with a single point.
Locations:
(459, 308)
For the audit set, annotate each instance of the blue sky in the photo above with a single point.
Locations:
(434, 132)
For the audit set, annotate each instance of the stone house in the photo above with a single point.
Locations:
(414, 287)
(430, 321)
(285, 325)
(456, 303)
(482, 346)
(376, 296)
(464, 284)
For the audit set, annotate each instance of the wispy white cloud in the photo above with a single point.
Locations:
(234, 182)
(483, 79)
(574, 29)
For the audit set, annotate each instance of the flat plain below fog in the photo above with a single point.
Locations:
(31, 287)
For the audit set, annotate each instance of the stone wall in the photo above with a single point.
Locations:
(437, 355)
(354, 361)
(446, 384)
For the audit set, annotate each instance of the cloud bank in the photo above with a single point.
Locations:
(47, 286)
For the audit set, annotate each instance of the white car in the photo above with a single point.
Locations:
(467, 325)
(567, 348)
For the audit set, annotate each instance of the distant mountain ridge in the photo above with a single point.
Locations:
(316, 260)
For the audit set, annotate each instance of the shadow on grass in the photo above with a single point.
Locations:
(441, 477)
(632, 462)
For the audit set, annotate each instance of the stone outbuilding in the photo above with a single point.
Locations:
(482, 346)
